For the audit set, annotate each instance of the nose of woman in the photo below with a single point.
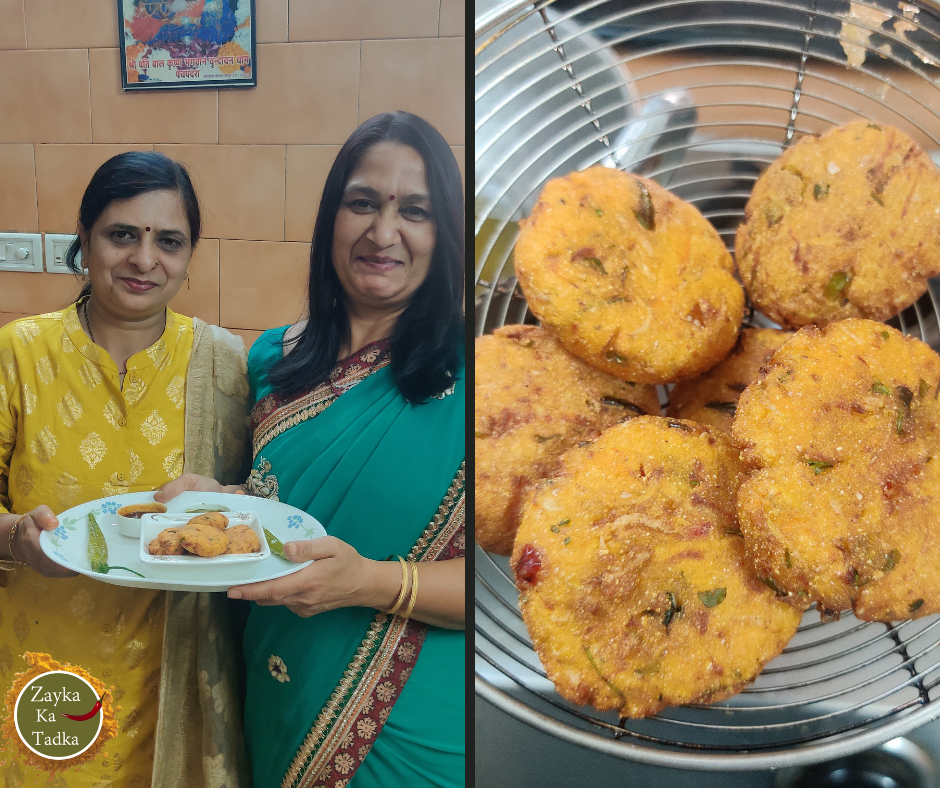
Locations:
(145, 254)
(383, 231)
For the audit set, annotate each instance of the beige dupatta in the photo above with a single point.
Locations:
(199, 727)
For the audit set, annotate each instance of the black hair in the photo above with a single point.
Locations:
(123, 177)
(427, 337)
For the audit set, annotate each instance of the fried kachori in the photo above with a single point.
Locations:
(202, 539)
(533, 401)
(843, 225)
(712, 398)
(242, 539)
(633, 580)
(166, 543)
(840, 437)
(629, 277)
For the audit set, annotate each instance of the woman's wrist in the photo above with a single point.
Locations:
(384, 585)
(7, 521)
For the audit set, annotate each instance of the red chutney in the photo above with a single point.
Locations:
(527, 569)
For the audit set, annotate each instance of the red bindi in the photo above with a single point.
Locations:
(391, 197)
(148, 229)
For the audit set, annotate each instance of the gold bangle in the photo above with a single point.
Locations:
(414, 590)
(404, 585)
(10, 542)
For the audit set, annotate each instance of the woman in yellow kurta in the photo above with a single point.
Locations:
(94, 403)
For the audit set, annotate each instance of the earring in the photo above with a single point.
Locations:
(187, 279)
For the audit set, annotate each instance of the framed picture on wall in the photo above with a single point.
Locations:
(187, 44)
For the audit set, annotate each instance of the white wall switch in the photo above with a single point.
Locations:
(56, 247)
(20, 252)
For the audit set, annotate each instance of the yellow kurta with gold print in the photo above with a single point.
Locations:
(70, 434)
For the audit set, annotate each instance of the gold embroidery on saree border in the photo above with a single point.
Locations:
(306, 407)
(313, 761)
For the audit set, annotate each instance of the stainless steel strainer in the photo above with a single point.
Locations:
(700, 96)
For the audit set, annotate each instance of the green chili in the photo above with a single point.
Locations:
(819, 465)
(98, 550)
(274, 543)
(645, 213)
(905, 395)
(821, 191)
(837, 283)
(880, 388)
(891, 560)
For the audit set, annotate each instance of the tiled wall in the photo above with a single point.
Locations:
(258, 156)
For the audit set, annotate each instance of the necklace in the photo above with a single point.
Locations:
(88, 322)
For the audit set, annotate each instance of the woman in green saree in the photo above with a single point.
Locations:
(355, 664)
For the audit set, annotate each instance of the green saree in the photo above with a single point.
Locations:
(387, 477)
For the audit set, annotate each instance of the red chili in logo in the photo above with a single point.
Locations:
(83, 717)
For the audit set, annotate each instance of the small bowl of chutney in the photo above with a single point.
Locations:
(129, 517)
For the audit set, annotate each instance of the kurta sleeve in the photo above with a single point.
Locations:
(7, 428)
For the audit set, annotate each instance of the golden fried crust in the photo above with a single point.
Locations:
(633, 580)
(712, 397)
(629, 277)
(202, 539)
(166, 543)
(213, 519)
(843, 225)
(241, 539)
(840, 433)
(533, 401)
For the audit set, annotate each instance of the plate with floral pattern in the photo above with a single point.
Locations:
(68, 544)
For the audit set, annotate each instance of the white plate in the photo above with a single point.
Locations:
(68, 544)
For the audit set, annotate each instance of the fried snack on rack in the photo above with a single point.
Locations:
(633, 580)
(843, 225)
(841, 505)
(712, 398)
(213, 519)
(533, 401)
(629, 277)
(166, 543)
(202, 539)
(241, 539)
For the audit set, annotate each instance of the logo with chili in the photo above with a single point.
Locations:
(61, 715)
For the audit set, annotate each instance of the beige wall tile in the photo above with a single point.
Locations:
(453, 17)
(306, 94)
(460, 155)
(201, 297)
(263, 285)
(18, 213)
(248, 337)
(335, 20)
(240, 188)
(35, 293)
(147, 116)
(423, 76)
(270, 21)
(307, 168)
(62, 174)
(12, 25)
(67, 24)
(47, 93)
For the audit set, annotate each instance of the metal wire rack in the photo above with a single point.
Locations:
(700, 96)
